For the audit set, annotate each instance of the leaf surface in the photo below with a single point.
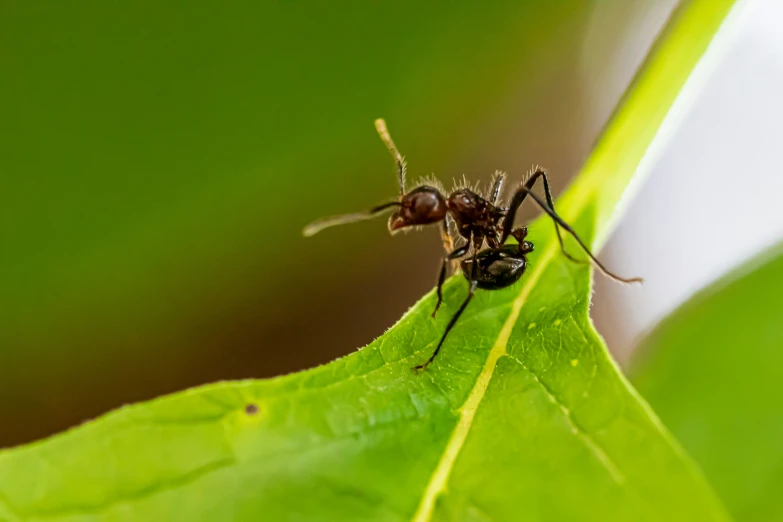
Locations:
(523, 415)
(712, 370)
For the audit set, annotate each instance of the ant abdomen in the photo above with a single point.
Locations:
(496, 268)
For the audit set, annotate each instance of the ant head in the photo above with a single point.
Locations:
(420, 206)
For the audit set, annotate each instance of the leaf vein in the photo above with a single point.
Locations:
(576, 429)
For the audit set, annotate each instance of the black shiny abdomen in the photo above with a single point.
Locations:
(497, 267)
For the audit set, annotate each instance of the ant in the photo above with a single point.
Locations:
(478, 220)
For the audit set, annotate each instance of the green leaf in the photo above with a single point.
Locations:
(712, 370)
(523, 415)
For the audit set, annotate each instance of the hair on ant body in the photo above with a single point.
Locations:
(482, 223)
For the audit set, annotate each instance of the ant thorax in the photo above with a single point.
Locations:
(474, 216)
(476, 212)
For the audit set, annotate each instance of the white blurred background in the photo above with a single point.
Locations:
(709, 198)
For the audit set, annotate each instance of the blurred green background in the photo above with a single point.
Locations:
(158, 161)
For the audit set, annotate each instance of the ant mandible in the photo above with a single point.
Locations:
(479, 220)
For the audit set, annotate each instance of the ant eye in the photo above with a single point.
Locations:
(421, 206)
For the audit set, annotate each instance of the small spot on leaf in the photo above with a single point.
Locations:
(251, 409)
(531, 326)
(574, 362)
(557, 322)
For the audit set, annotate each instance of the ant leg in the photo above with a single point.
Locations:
(445, 235)
(461, 251)
(320, 224)
(508, 223)
(559, 221)
(498, 180)
(471, 291)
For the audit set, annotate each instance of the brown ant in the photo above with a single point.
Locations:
(478, 220)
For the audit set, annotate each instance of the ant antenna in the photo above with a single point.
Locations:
(383, 132)
(558, 220)
(320, 224)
